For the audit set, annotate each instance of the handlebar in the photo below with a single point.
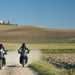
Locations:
(26, 51)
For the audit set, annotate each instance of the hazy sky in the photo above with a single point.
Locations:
(49, 13)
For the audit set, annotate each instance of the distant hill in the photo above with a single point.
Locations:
(32, 34)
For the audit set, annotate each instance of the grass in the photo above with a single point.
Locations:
(15, 46)
(43, 68)
(42, 45)
(47, 51)
(5, 27)
(52, 45)
(12, 46)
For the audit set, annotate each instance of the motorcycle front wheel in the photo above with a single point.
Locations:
(1, 64)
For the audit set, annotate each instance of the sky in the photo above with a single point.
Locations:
(43, 13)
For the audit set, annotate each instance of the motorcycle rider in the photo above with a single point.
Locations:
(2, 49)
(22, 50)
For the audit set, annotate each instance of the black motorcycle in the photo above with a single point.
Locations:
(2, 59)
(23, 57)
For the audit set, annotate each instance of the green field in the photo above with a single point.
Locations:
(54, 47)
(48, 51)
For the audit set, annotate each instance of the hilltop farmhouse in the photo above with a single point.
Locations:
(4, 22)
(1, 21)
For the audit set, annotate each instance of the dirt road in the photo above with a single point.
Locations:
(14, 68)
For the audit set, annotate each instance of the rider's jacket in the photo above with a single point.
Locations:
(2, 53)
(2, 50)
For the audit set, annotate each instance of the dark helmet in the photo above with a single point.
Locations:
(1, 45)
(23, 45)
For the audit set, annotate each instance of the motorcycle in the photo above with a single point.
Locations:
(2, 59)
(23, 57)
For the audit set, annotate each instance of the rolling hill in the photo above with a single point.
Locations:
(32, 34)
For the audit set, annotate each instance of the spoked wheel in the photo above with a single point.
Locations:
(23, 63)
(1, 64)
